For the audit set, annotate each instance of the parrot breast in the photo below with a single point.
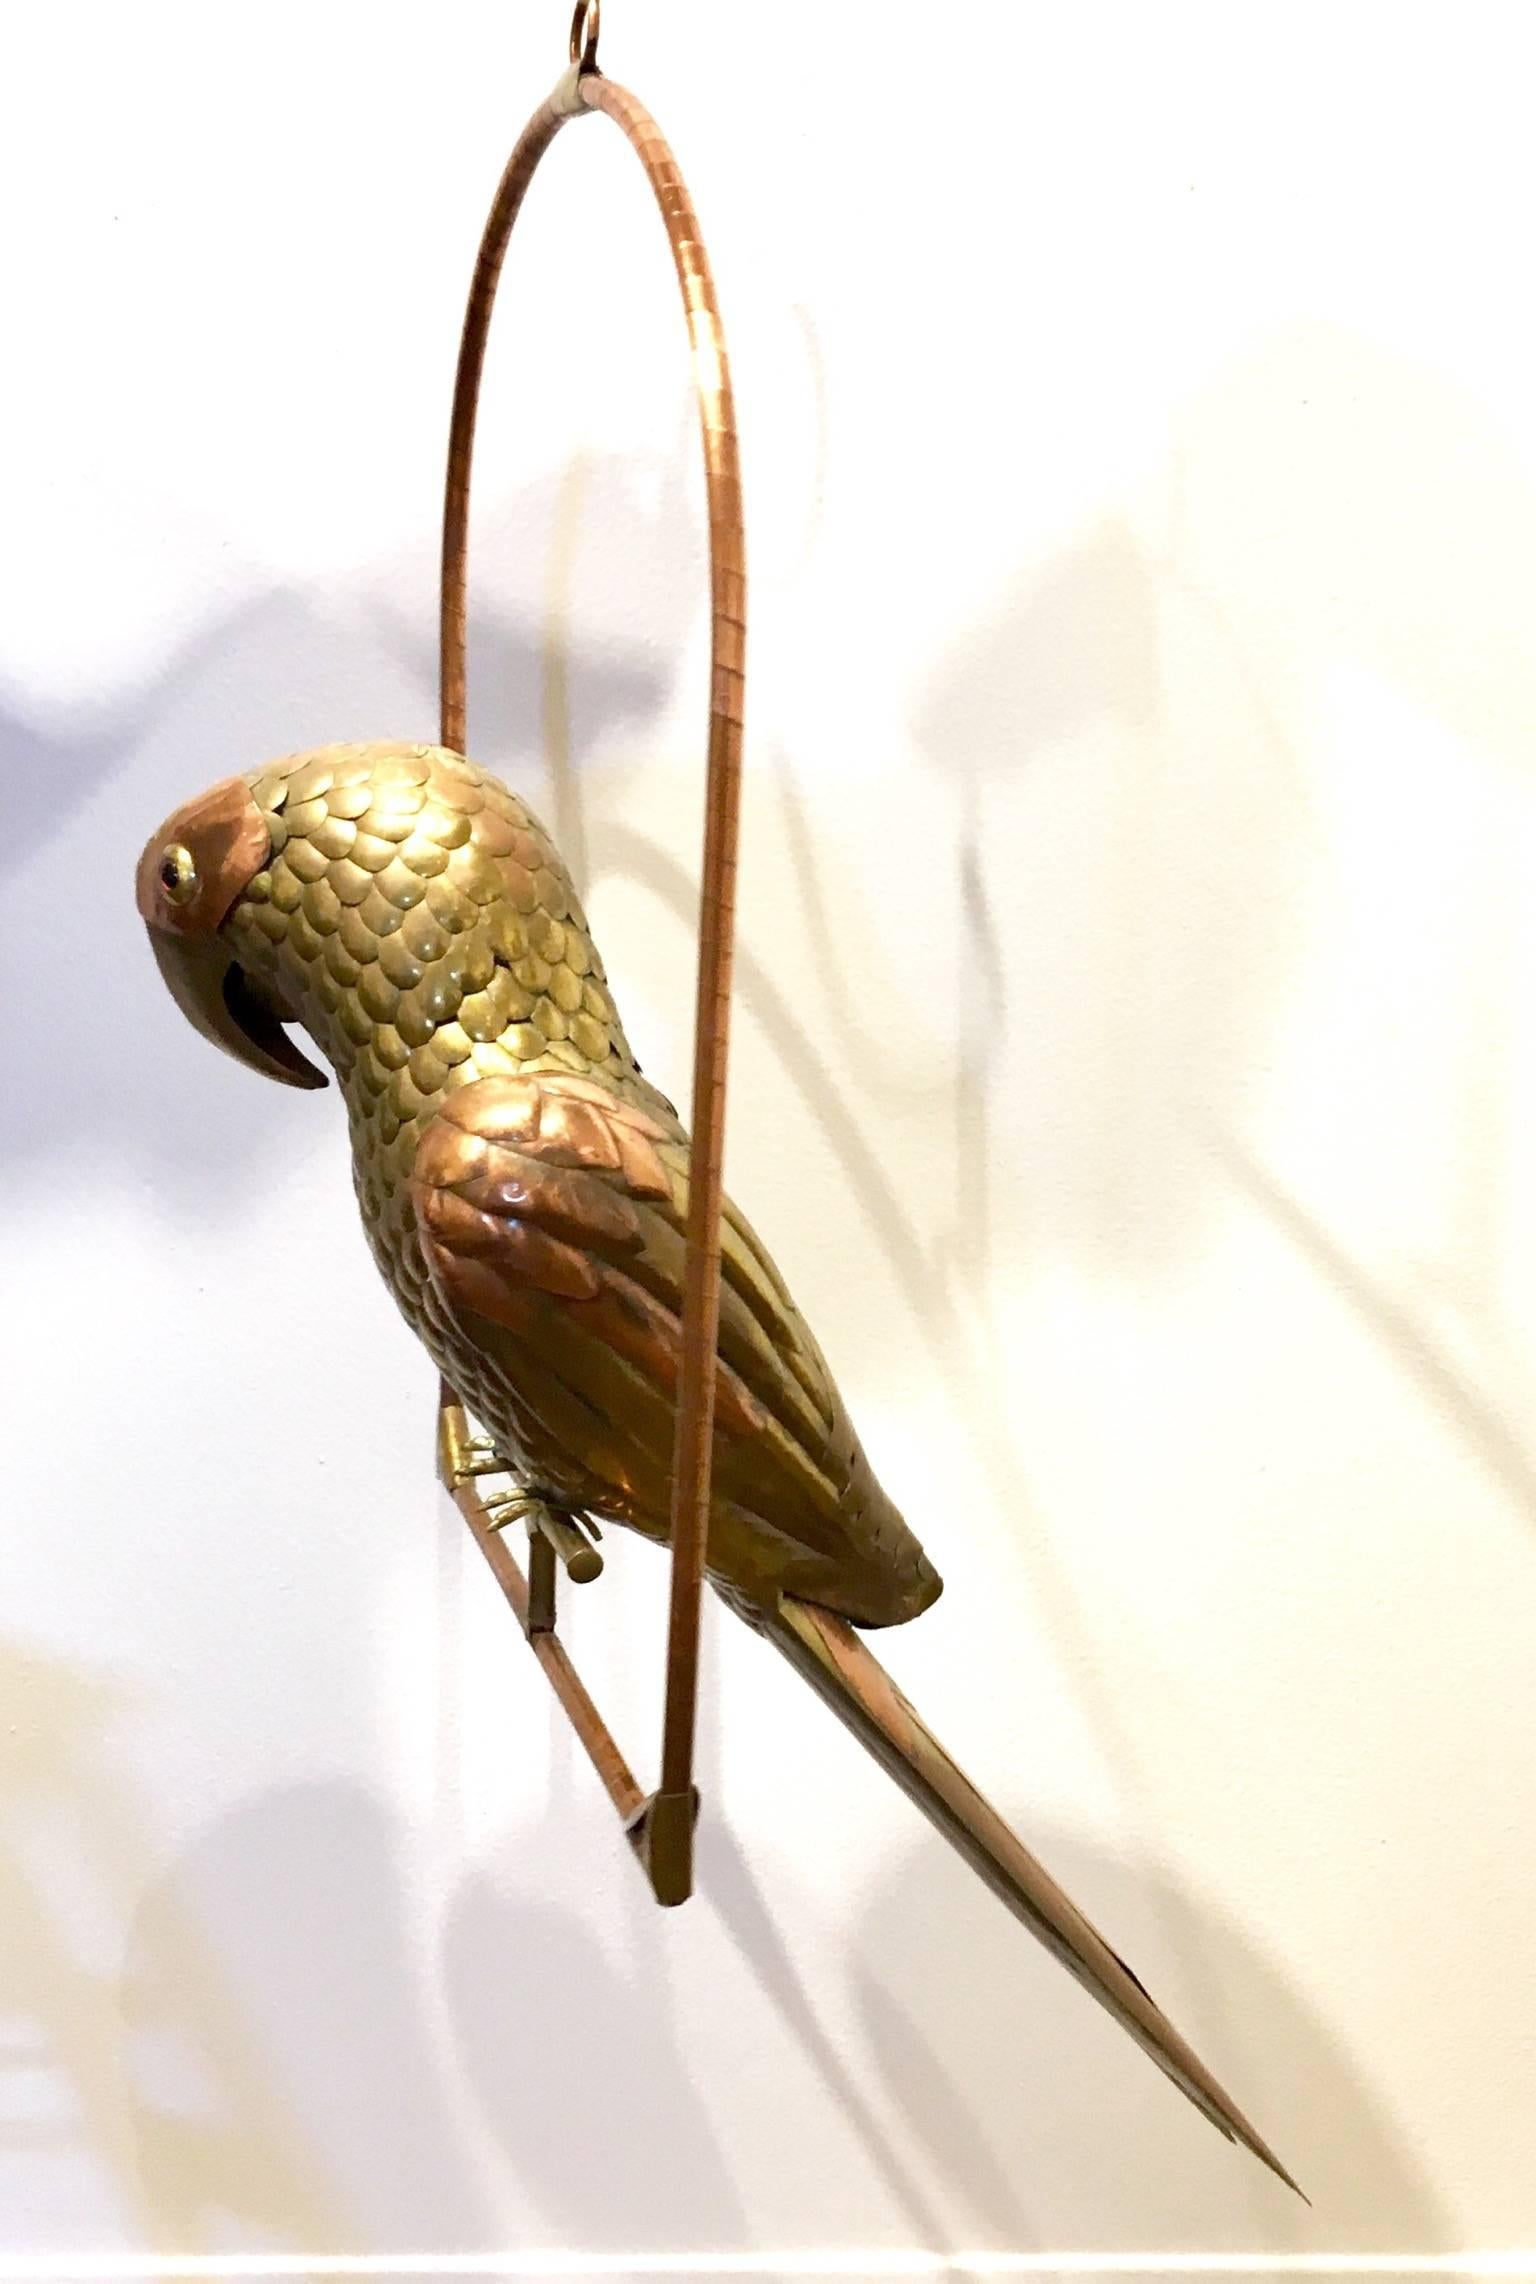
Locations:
(419, 918)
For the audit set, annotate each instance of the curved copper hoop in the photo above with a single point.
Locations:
(666, 1832)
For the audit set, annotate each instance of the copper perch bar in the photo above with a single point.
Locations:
(567, 1684)
(664, 1833)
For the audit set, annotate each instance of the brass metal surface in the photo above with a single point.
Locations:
(577, 1556)
(541, 1586)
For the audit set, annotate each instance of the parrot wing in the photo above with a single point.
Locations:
(552, 1212)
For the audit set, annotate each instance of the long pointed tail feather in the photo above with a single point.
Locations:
(839, 1666)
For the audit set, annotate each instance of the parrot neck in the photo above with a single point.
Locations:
(419, 919)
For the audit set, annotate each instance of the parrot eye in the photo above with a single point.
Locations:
(178, 874)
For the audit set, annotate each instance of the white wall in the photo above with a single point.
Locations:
(1136, 1077)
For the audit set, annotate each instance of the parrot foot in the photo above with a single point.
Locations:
(480, 1457)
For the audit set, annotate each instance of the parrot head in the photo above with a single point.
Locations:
(396, 903)
(191, 879)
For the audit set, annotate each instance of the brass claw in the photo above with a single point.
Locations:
(482, 1458)
(461, 1454)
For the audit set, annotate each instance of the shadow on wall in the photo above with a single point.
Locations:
(585, 2080)
(295, 669)
(286, 672)
(1001, 2080)
(334, 2126)
(1328, 505)
(1494, 1432)
(998, 2110)
(156, 2082)
(1326, 502)
(307, 1889)
(580, 2074)
(918, 2193)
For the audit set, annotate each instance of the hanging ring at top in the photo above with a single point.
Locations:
(585, 25)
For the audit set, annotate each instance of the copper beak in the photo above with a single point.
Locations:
(191, 876)
(213, 992)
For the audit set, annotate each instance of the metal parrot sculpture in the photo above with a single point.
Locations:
(524, 1190)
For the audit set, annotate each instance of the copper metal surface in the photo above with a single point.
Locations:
(190, 874)
(845, 1672)
(584, 88)
(192, 870)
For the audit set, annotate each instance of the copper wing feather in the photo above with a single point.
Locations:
(552, 1213)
